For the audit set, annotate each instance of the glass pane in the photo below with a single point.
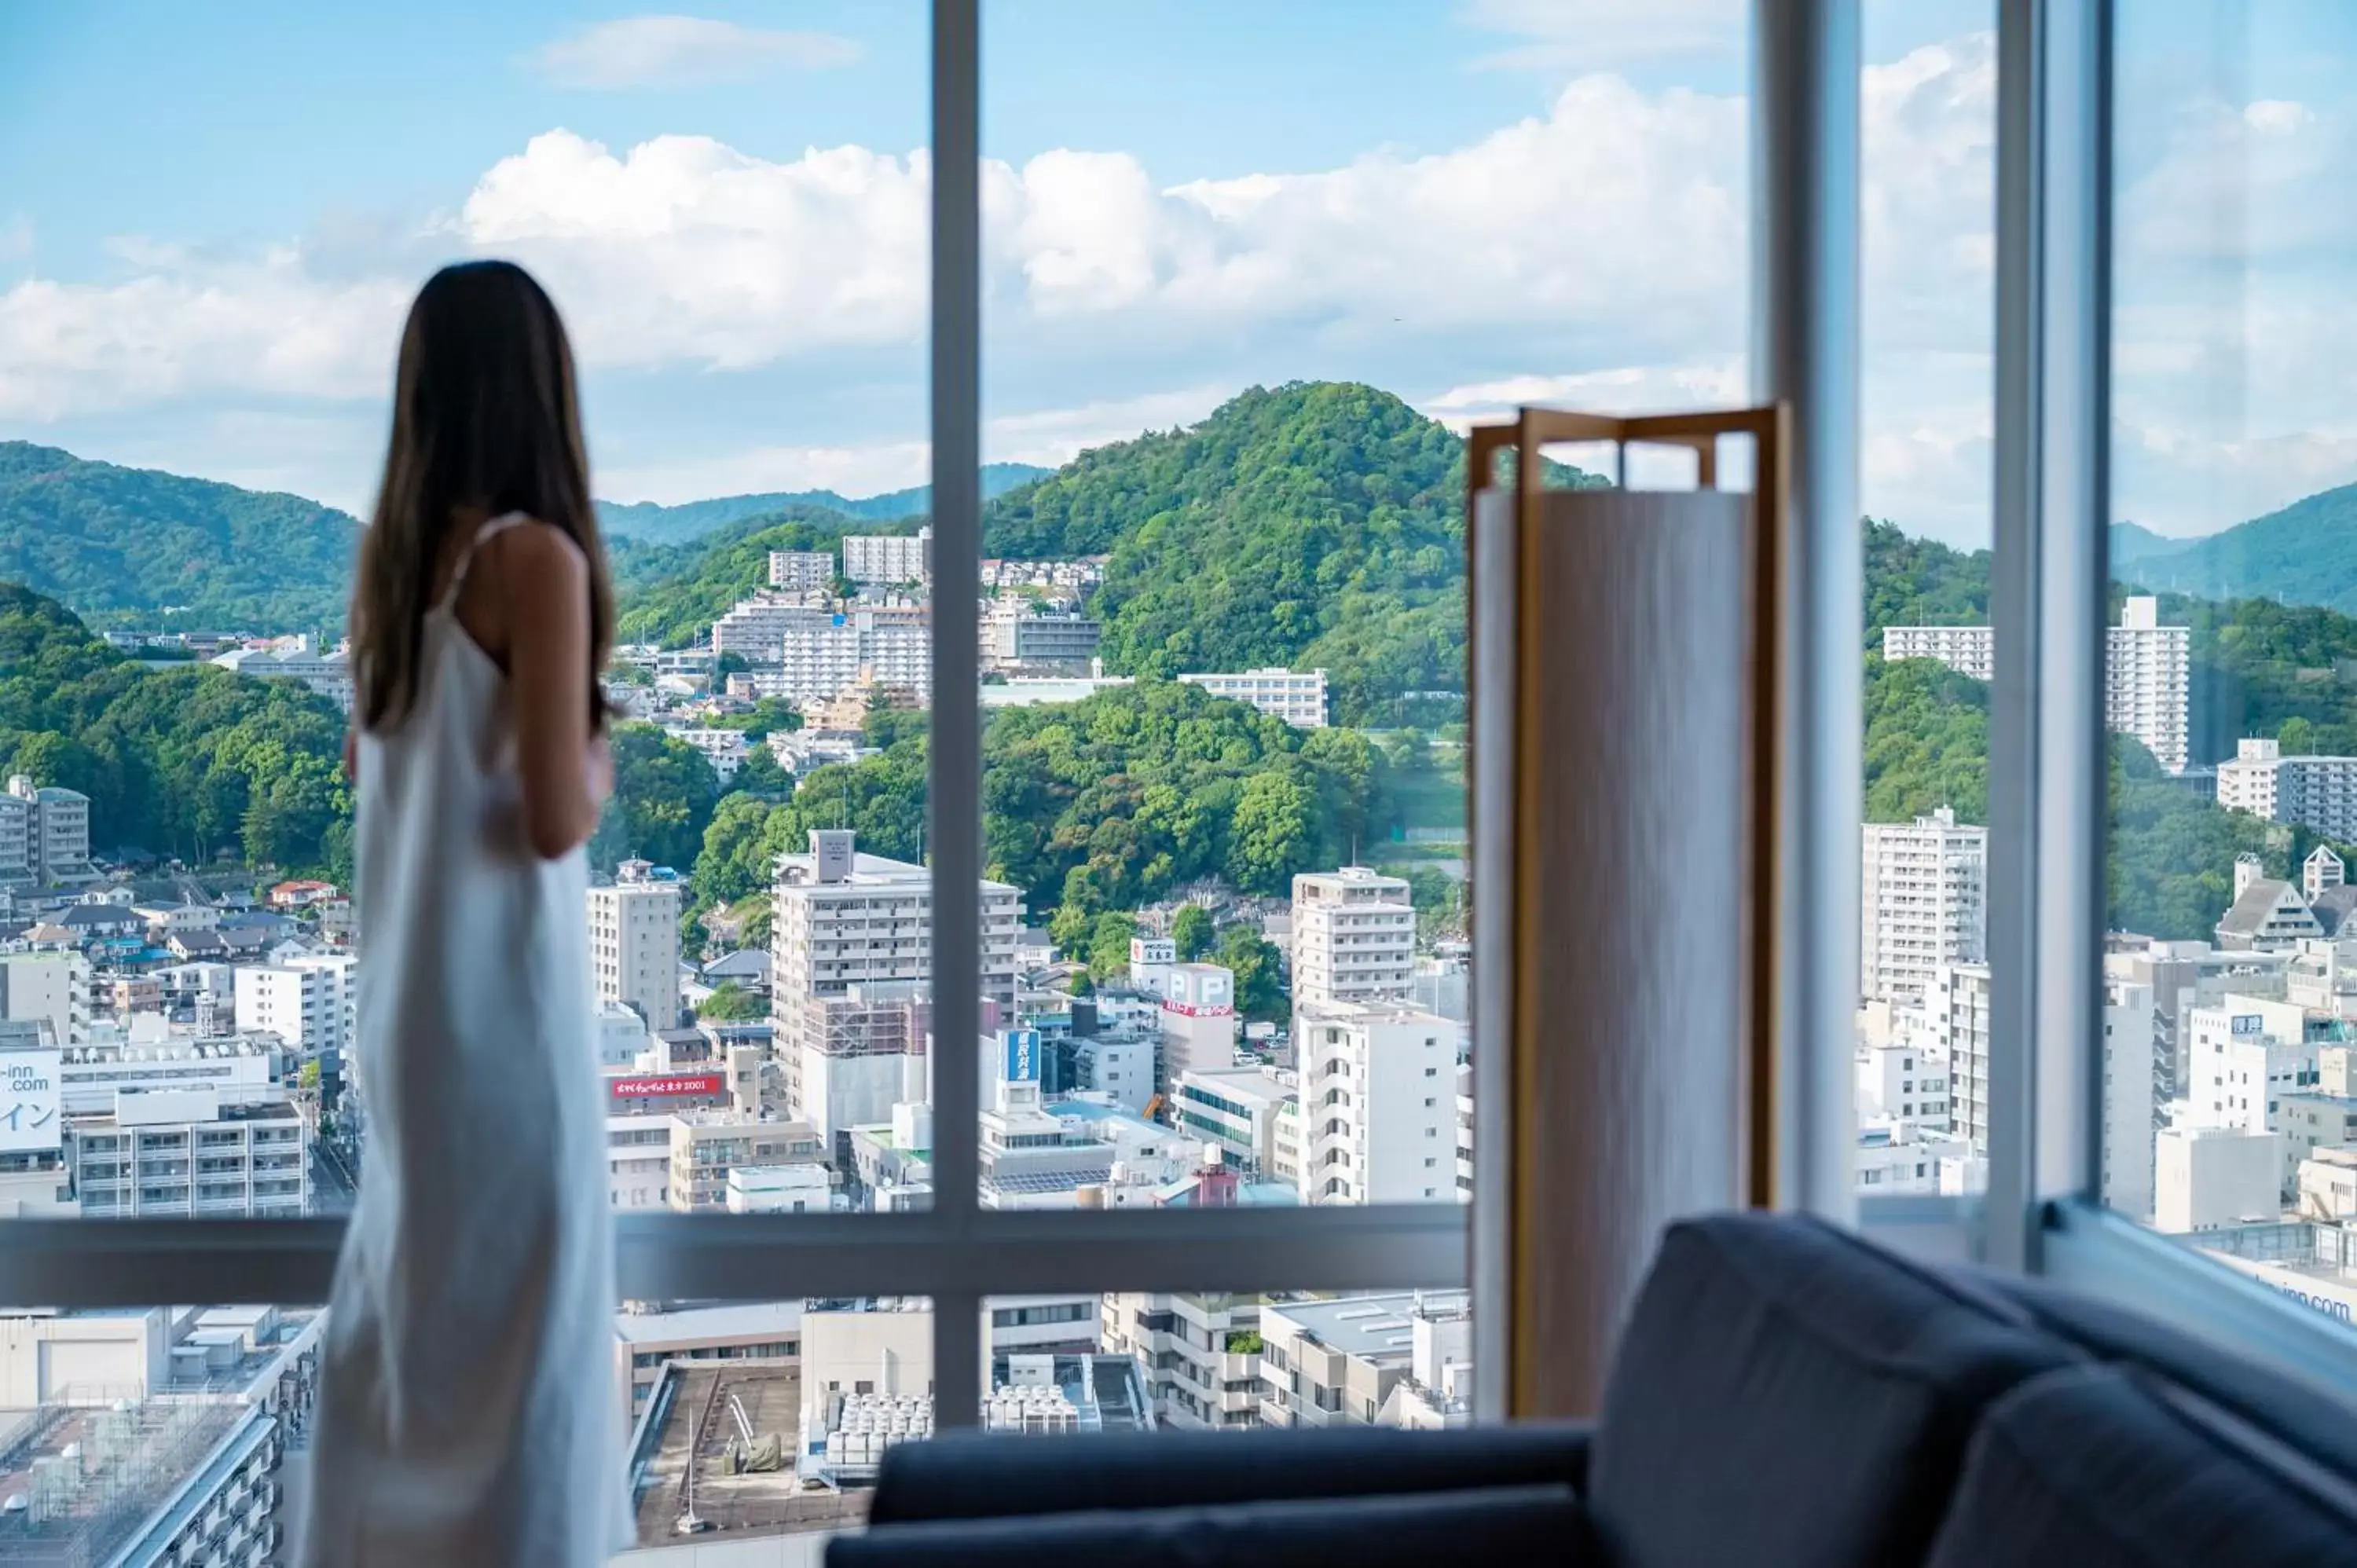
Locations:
(1250, 274)
(1928, 303)
(198, 312)
(2229, 1117)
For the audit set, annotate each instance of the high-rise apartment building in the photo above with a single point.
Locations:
(889, 558)
(1379, 1096)
(1297, 696)
(51, 986)
(2130, 1110)
(808, 652)
(44, 833)
(1956, 1026)
(2147, 675)
(1200, 1354)
(840, 919)
(1924, 901)
(634, 942)
(802, 571)
(2318, 792)
(1354, 936)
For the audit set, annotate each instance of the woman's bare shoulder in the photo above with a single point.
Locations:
(530, 547)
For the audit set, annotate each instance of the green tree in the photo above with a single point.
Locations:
(734, 859)
(731, 1003)
(1254, 962)
(1190, 930)
(1273, 831)
(665, 790)
(1109, 945)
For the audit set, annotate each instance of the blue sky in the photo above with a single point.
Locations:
(213, 217)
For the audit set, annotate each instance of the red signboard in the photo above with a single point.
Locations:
(1188, 1009)
(676, 1086)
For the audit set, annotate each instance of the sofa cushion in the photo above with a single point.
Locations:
(2099, 1467)
(1540, 1525)
(984, 1476)
(1786, 1394)
(2318, 1425)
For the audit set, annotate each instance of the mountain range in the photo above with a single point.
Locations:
(2305, 553)
(674, 524)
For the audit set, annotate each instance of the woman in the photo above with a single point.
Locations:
(466, 1415)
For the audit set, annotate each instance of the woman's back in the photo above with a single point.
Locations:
(464, 1419)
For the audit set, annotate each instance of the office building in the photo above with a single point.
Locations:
(2308, 1126)
(1354, 936)
(1337, 1362)
(1238, 1109)
(1014, 634)
(841, 919)
(638, 1160)
(1118, 1064)
(2208, 1178)
(888, 559)
(1905, 1080)
(2245, 1052)
(1379, 1093)
(855, 1054)
(2147, 678)
(2319, 793)
(634, 942)
(1923, 902)
(52, 825)
(802, 571)
(1299, 697)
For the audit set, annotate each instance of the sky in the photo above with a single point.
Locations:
(213, 221)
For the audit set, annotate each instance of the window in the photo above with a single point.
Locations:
(2227, 684)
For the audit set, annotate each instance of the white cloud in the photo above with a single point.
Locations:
(684, 51)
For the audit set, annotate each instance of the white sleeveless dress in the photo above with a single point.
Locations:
(468, 1417)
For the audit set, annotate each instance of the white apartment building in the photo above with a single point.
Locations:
(851, 1056)
(1200, 1355)
(1379, 1098)
(802, 571)
(634, 942)
(638, 1161)
(296, 659)
(2130, 1113)
(1354, 936)
(889, 558)
(842, 918)
(2316, 793)
(1118, 1065)
(179, 1153)
(1895, 1157)
(2148, 679)
(1967, 650)
(309, 1002)
(1337, 1362)
(2208, 1179)
(52, 825)
(724, 748)
(809, 653)
(707, 1145)
(1299, 697)
(1922, 900)
(1905, 1081)
(50, 986)
(1956, 1027)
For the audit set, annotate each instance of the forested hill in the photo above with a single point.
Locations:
(187, 761)
(2305, 553)
(691, 520)
(1316, 524)
(124, 543)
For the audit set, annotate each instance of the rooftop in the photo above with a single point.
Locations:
(1371, 1327)
(690, 1424)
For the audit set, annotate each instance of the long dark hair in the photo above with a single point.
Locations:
(485, 415)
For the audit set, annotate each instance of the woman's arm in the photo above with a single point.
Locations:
(565, 770)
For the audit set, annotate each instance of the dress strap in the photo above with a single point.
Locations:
(500, 524)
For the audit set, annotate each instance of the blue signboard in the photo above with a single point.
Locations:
(1022, 1054)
